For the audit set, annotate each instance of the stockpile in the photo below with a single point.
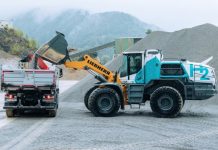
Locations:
(195, 44)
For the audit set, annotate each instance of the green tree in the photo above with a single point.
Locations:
(32, 44)
(148, 31)
(19, 33)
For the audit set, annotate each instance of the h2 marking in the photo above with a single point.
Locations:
(203, 70)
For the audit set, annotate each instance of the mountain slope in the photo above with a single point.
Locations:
(15, 42)
(82, 29)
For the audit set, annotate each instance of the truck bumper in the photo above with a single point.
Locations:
(9, 105)
(29, 107)
(203, 92)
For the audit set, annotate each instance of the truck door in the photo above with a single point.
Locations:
(132, 64)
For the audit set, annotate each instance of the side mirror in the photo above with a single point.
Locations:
(60, 73)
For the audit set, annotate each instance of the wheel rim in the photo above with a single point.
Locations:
(104, 104)
(165, 103)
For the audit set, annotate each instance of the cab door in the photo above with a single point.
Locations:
(132, 64)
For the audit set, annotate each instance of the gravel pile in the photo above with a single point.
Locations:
(195, 44)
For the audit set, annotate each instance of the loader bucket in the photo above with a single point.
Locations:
(55, 51)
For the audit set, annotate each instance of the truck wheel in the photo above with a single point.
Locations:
(86, 98)
(183, 103)
(52, 112)
(9, 113)
(104, 102)
(166, 102)
(86, 101)
(57, 100)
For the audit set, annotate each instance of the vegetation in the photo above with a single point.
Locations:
(148, 31)
(15, 42)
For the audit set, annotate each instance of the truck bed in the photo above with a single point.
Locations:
(28, 78)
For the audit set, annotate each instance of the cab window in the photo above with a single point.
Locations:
(131, 64)
(135, 63)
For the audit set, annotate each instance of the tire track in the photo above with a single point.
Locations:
(6, 121)
(21, 141)
(167, 141)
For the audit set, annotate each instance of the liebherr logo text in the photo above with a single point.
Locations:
(98, 67)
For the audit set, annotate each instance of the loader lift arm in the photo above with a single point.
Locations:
(56, 52)
(92, 64)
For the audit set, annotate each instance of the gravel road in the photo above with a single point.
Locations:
(76, 128)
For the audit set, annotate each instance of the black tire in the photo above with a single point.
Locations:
(57, 101)
(166, 102)
(86, 98)
(183, 103)
(104, 102)
(9, 113)
(52, 113)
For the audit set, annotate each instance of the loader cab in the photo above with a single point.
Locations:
(134, 61)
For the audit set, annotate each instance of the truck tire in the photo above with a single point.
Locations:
(57, 100)
(104, 102)
(86, 97)
(9, 113)
(53, 112)
(183, 103)
(166, 102)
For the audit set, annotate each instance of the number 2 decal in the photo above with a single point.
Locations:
(203, 70)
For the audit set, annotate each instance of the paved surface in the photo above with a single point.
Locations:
(76, 128)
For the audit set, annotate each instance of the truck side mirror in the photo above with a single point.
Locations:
(60, 72)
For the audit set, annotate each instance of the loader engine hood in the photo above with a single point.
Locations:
(199, 72)
(55, 51)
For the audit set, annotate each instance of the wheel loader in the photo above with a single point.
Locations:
(146, 76)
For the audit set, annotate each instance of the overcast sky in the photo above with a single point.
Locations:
(170, 15)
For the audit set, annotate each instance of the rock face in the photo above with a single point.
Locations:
(195, 44)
